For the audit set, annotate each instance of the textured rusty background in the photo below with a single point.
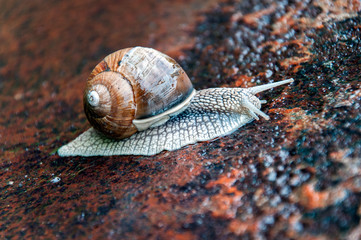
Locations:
(295, 176)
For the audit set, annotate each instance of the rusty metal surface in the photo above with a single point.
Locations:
(297, 176)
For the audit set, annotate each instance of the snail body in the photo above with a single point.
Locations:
(141, 102)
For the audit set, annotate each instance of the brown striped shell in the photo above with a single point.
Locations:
(133, 89)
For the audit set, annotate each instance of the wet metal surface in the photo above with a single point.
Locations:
(295, 176)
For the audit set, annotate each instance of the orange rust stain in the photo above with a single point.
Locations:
(356, 5)
(353, 184)
(320, 26)
(284, 23)
(339, 155)
(226, 203)
(286, 111)
(294, 61)
(253, 18)
(267, 171)
(159, 209)
(226, 180)
(229, 72)
(276, 45)
(185, 169)
(296, 68)
(308, 197)
(312, 199)
(225, 206)
(179, 236)
(350, 5)
(297, 120)
(293, 220)
(357, 26)
(332, 9)
(238, 227)
(243, 79)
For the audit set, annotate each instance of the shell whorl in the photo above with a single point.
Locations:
(109, 110)
(158, 82)
(99, 100)
(134, 84)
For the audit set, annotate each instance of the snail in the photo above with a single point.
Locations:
(139, 101)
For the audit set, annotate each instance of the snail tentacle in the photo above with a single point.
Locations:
(262, 88)
(253, 110)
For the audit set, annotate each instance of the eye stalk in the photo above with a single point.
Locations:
(262, 88)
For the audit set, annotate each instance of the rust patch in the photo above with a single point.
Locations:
(295, 176)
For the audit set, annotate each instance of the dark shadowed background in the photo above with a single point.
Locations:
(296, 176)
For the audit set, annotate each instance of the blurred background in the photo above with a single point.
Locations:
(297, 176)
(48, 49)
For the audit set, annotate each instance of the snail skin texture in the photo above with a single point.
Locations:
(140, 102)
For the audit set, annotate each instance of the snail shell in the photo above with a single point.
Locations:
(130, 89)
(156, 126)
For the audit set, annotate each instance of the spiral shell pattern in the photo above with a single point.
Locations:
(133, 83)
